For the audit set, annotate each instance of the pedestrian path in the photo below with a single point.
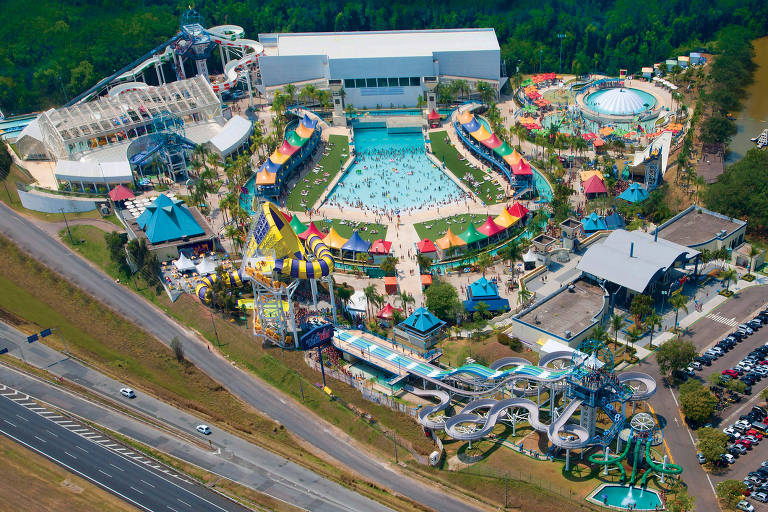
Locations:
(731, 322)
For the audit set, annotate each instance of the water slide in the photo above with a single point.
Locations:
(664, 469)
(646, 380)
(232, 279)
(125, 87)
(231, 36)
(602, 460)
(425, 413)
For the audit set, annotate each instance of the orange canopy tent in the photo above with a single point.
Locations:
(449, 240)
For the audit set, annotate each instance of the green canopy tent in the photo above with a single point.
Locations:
(297, 225)
(472, 236)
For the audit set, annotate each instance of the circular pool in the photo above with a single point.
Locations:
(622, 497)
(620, 101)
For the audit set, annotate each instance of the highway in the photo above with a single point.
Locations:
(297, 419)
(133, 482)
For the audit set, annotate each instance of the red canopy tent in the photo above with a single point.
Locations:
(434, 118)
(121, 193)
(426, 245)
(287, 149)
(380, 247)
(490, 228)
(522, 168)
(518, 210)
(387, 312)
(311, 231)
(594, 185)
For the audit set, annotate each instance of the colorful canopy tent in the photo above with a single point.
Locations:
(356, 243)
(593, 223)
(522, 168)
(334, 240)
(594, 185)
(166, 220)
(426, 246)
(490, 228)
(264, 177)
(294, 139)
(433, 115)
(504, 219)
(390, 285)
(518, 210)
(472, 235)
(449, 240)
(184, 264)
(278, 157)
(311, 230)
(297, 225)
(121, 193)
(585, 175)
(270, 166)
(426, 279)
(485, 291)
(287, 149)
(380, 247)
(206, 266)
(465, 116)
(387, 312)
(636, 193)
(492, 142)
(614, 221)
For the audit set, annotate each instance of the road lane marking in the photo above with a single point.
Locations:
(104, 472)
(171, 508)
(40, 439)
(8, 422)
(149, 484)
(66, 452)
(116, 467)
(22, 418)
(81, 448)
(184, 502)
(135, 489)
(54, 435)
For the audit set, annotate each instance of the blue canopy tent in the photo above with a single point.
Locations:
(356, 244)
(166, 220)
(485, 291)
(593, 223)
(636, 193)
(614, 221)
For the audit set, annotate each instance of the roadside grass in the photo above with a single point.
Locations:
(32, 482)
(368, 231)
(90, 243)
(331, 164)
(434, 229)
(488, 191)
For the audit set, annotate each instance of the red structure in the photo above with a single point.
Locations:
(434, 119)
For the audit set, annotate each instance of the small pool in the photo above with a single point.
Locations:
(392, 173)
(622, 497)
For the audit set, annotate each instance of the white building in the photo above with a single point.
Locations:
(380, 68)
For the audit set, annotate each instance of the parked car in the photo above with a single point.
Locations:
(728, 458)
(746, 443)
(760, 496)
(760, 410)
(745, 506)
(705, 360)
(700, 457)
(696, 365)
(730, 372)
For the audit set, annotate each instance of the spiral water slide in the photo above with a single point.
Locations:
(231, 36)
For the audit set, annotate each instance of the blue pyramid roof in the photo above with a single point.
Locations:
(593, 223)
(356, 243)
(636, 193)
(422, 321)
(166, 219)
(483, 288)
(614, 221)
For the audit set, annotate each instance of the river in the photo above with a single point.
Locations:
(753, 119)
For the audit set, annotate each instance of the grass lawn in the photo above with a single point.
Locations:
(445, 152)
(17, 175)
(434, 229)
(89, 241)
(367, 231)
(32, 482)
(456, 351)
(331, 163)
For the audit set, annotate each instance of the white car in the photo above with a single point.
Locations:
(204, 429)
(730, 459)
(745, 506)
(127, 393)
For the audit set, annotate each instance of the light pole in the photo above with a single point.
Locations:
(561, 37)
(541, 53)
(67, 224)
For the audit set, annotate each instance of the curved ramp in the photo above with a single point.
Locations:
(424, 414)
(577, 436)
(553, 356)
(648, 381)
(125, 87)
(505, 362)
(230, 35)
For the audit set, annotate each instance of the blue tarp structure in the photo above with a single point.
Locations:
(593, 223)
(636, 193)
(165, 220)
(485, 291)
(356, 243)
(308, 122)
(421, 321)
(270, 166)
(614, 221)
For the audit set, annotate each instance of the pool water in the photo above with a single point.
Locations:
(623, 497)
(593, 100)
(393, 173)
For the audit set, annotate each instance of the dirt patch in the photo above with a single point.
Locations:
(71, 486)
(10, 318)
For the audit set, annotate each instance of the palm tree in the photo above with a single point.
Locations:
(729, 276)
(405, 299)
(679, 302)
(753, 251)
(523, 294)
(290, 92)
(510, 253)
(484, 260)
(633, 334)
(370, 296)
(616, 322)
(652, 321)
(599, 333)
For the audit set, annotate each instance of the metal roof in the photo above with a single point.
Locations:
(611, 260)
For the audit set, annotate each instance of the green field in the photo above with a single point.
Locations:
(488, 191)
(331, 163)
(366, 230)
(434, 229)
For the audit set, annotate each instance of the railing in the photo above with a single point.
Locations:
(480, 152)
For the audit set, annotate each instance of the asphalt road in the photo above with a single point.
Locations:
(293, 416)
(230, 457)
(679, 439)
(133, 482)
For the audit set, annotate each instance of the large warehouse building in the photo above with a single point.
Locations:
(380, 68)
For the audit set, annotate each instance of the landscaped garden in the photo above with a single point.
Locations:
(314, 183)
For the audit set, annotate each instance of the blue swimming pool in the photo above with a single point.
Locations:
(392, 172)
(622, 497)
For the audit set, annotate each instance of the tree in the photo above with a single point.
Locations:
(599, 333)
(344, 292)
(678, 302)
(178, 349)
(482, 311)
(732, 193)
(406, 299)
(711, 443)
(523, 294)
(729, 276)
(731, 491)
(510, 252)
(616, 323)
(753, 252)
(675, 355)
(652, 321)
(5, 161)
(371, 296)
(389, 265)
(424, 262)
(484, 260)
(443, 301)
(680, 500)
(697, 402)
(641, 306)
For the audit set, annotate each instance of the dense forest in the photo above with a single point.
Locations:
(55, 49)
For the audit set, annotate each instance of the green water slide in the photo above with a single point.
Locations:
(634, 464)
(670, 469)
(599, 459)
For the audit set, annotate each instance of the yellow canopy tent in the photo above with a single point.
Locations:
(481, 134)
(279, 158)
(585, 175)
(334, 240)
(505, 219)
